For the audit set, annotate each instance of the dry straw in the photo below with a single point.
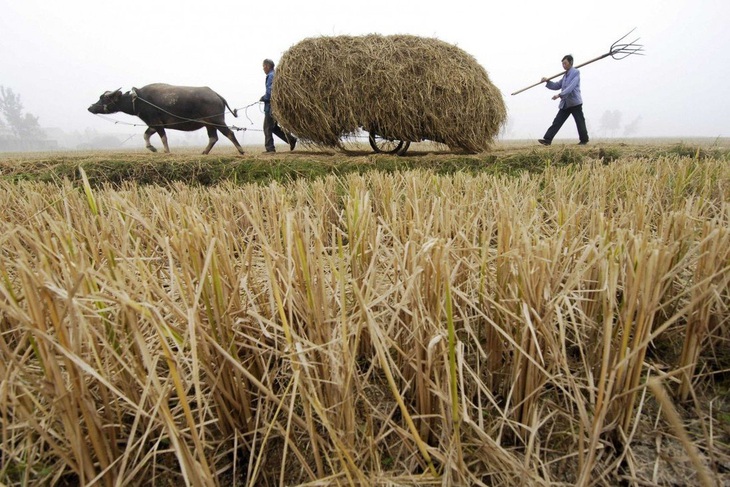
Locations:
(373, 329)
(402, 87)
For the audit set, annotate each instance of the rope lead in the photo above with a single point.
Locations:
(136, 97)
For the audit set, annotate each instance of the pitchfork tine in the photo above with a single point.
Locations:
(621, 51)
(625, 36)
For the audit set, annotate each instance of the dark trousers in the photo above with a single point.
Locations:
(562, 116)
(271, 128)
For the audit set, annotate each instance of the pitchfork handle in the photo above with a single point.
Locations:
(563, 72)
(538, 83)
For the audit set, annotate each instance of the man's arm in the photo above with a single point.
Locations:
(553, 85)
(571, 84)
(269, 82)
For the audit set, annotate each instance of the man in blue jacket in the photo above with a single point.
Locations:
(271, 127)
(571, 103)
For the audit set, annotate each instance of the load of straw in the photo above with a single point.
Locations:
(401, 87)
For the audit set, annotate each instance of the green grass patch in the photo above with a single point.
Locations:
(115, 168)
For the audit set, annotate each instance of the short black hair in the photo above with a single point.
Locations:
(269, 62)
(569, 57)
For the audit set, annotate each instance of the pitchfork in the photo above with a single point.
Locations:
(617, 51)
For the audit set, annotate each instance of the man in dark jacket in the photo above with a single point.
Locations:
(271, 127)
(571, 103)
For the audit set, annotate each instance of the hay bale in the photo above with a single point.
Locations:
(401, 86)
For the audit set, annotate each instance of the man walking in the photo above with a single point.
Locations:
(271, 127)
(571, 103)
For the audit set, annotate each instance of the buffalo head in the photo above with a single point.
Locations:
(107, 102)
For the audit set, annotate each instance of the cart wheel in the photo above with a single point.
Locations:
(388, 146)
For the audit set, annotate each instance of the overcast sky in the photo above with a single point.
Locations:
(60, 56)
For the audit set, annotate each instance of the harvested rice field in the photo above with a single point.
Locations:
(523, 316)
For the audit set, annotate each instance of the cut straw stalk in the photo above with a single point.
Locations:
(710, 276)
(384, 360)
(645, 282)
(670, 412)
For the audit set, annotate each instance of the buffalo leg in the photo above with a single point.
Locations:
(232, 137)
(212, 138)
(163, 136)
(147, 134)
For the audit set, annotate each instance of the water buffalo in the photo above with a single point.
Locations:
(163, 106)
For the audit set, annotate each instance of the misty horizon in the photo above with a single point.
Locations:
(61, 57)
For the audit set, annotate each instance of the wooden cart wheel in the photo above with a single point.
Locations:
(388, 146)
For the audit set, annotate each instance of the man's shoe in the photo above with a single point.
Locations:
(292, 144)
(269, 151)
(583, 143)
(543, 141)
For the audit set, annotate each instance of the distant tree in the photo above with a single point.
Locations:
(633, 127)
(610, 122)
(23, 125)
